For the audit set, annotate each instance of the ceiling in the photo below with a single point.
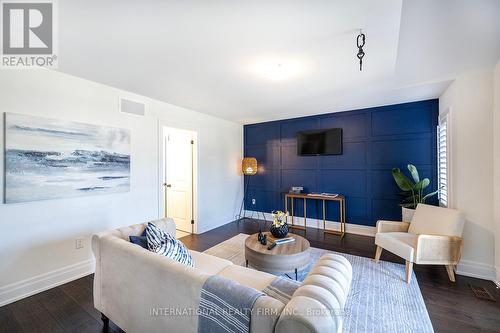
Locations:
(251, 61)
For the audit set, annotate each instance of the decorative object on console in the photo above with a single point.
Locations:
(413, 190)
(296, 189)
(49, 159)
(279, 228)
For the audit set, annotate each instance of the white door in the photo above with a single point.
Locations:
(179, 152)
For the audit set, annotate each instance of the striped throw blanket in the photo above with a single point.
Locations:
(282, 289)
(225, 306)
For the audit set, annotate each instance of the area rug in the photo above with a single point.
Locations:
(379, 301)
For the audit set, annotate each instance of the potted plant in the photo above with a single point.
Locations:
(279, 228)
(413, 190)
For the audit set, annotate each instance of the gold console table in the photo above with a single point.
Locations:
(324, 198)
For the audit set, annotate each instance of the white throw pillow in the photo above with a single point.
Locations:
(163, 243)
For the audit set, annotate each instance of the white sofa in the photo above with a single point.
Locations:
(137, 289)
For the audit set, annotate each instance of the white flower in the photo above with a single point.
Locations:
(279, 218)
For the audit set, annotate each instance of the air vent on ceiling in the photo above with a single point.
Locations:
(132, 107)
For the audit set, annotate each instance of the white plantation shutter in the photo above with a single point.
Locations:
(443, 159)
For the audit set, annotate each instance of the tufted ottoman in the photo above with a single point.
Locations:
(318, 304)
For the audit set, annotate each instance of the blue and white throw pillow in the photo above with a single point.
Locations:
(163, 243)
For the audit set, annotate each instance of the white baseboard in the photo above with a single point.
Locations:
(21, 289)
(315, 223)
(220, 223)
(497, 280)
(476, 270)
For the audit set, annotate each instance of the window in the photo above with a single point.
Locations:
(443, 166)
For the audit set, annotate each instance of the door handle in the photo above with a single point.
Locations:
(167, 185)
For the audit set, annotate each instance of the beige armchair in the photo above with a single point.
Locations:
(433, 237)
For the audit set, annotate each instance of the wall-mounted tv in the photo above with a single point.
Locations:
(320, 142)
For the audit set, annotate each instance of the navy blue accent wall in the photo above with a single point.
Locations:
(375, 140)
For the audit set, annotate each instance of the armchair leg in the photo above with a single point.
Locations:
(409, 269)
(378, 252)
(451, 273)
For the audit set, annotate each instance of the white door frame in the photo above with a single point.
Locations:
(162, 174)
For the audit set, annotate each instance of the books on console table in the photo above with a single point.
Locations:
(324, 194)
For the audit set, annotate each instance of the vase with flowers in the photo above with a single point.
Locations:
(279, 228)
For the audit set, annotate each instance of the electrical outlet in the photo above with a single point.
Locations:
(79, 243)
(253, 201)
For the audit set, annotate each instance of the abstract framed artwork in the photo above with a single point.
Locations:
(50, 159)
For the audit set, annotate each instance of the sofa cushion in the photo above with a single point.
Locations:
(247, 277)
(340, 262)
(209, 264)
(142, 241)
(333, 273)
(334, 287)
(399, 243)
(166, 224)
(163, 243)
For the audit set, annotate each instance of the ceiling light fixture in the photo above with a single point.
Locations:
(360, 42)
(278, 69)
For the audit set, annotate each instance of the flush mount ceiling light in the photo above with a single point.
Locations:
(278, 69)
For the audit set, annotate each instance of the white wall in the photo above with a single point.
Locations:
(37, 247)
(496, 154)
(220, 149)
(470, 98)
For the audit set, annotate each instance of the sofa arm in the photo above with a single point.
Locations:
(436, 249)
(139, 288)
(318, 304)
(96, 290)
(392, 226)
(307, 315)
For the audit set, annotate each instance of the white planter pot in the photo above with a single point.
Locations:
(407, 214)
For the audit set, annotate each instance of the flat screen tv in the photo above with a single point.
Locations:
(320, 142)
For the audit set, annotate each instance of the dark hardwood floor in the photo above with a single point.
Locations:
(451, 306)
